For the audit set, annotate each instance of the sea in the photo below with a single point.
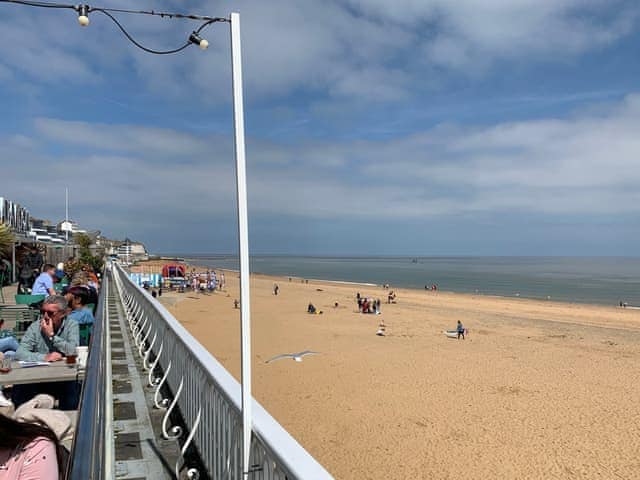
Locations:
(596, 280)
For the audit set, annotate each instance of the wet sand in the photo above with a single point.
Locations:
(537, 390)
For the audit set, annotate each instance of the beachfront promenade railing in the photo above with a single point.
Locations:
(208, 399)
(92, 452)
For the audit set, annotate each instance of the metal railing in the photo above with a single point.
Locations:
(92, 445)
(208, 399)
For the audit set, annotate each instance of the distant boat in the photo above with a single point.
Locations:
(415, 260)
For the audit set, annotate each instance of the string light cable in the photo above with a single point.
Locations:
(83, 18)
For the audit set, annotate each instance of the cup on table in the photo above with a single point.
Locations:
(71, 358)
(83, 354)
(5, 365)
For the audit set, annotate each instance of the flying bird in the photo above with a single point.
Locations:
(296, 356)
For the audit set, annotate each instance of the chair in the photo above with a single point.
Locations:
(19, 317)
(85, 334)
(28, 299)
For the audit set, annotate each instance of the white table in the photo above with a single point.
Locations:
(54, 372)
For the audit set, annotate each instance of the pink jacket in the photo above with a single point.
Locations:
(36, 461)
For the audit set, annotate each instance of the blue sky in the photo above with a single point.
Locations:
(409, 127)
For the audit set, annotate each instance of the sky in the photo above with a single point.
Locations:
(412, 127)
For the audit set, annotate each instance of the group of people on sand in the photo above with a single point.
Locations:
(368, 305)
(207, 281)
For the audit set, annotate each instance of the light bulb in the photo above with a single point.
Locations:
(83, 14)
(201, 42)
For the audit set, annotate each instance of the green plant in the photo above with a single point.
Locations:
(84, 252)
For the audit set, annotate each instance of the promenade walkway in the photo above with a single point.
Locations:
(140, 451)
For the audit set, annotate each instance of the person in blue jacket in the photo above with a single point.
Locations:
(460, 330)
(78, 298)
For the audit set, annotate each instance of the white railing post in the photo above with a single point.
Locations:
(243, 239)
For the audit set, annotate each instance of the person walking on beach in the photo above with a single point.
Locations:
(460, 330)
(276, 289)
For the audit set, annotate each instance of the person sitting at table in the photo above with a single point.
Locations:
(44, 283)
(77, 298)
(29, 451)
(49, 340)
(81, 279)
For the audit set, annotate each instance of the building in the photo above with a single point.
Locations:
(129, 251)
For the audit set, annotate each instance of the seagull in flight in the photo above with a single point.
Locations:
(296, 356)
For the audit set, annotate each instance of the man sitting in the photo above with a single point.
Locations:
(49, 340)
(44, 283)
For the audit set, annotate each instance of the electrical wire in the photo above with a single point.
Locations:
(106, 11)
(168, 15)
(132, 40)
(39, 4)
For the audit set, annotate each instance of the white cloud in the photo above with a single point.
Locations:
(469, 33)
(582, 164)
(32, 45)
(585, 164)
(135, 178)
(147, 141)
(354, 50)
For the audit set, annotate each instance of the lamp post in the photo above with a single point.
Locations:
(243, 238)
(83, 12)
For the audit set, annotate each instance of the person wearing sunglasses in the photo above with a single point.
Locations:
(50, 340)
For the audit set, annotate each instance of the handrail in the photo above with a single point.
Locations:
(209, 398)
(88, 453)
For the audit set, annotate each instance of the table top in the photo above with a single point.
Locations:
(53, 372)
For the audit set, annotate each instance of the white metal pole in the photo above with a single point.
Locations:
(66, 215)
(243, 239)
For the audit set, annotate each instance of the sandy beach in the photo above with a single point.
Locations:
(537, 390)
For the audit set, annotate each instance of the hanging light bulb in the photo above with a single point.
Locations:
(201, 42)
(83, 15)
